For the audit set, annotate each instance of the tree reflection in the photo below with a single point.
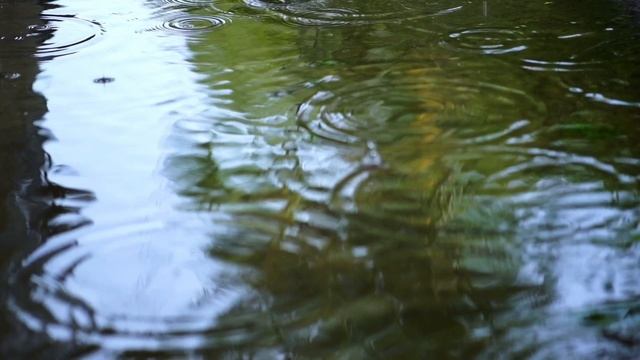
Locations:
(27, 197)
(335, 185)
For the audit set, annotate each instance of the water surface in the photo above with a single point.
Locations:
(322, 179)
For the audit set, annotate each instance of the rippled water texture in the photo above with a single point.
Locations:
(320, 179)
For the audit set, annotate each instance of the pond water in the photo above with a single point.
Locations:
(295, 179)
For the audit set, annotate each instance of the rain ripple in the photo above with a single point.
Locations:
(421, 102)
(344, 12)
(188, 24)
(79, 289)
(489, 41)
(57, 35)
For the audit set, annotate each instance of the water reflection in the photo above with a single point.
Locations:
(446, 179)
(390, 199)
(21, 155)
(32, 204)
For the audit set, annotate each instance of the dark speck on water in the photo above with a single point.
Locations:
(320, 179)
(104, 80)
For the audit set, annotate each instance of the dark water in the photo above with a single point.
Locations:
(342, 179)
